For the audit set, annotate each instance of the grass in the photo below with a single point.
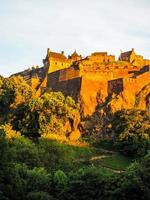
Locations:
(116, 162)
(99, 157)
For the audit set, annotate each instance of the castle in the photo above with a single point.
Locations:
(91, 79)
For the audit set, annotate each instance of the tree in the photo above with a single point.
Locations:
(13, 91)
(132, 128)
(135, 182)
(46, 115)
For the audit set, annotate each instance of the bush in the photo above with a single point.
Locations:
(132, 128)
(39, 196)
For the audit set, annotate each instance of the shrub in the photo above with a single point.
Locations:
(132, 128)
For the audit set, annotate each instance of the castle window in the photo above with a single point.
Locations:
(62, 64)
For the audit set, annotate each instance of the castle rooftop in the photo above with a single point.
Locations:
(126, 54)
(57, 55)
(99, 54)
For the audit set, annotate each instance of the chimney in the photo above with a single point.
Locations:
(132, 49)
(48, 50)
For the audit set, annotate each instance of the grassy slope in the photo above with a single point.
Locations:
(97, 157)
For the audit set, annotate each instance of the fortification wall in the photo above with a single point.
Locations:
(67, 74)
(92, 92)
(130, 85)
(69, 87)
(142, 80)
(134, 85)
(97, 75)
(119, 73)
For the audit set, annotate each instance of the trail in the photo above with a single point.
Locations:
(107, 154)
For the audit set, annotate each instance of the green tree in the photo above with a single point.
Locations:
(46, 114)
(13, 91)
(132, 128)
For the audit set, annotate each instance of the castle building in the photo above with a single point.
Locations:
(75, 56)
(56, 61)
(91, 79)
(101, 57)
(133, 58)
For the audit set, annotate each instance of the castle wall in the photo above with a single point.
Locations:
(57, 64)
(142, 80)
(98, 75)
(121, 72)
(69, 73)
(130, 85)
(92, 92)
(69, 87)
(101, 57)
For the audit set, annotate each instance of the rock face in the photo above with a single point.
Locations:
(75, 135)
(95, 81)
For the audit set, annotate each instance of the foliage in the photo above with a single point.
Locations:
(8, 131)
(32, 170)
(135, 181)
(25, 151)
(13, 91)
(46, 114)
(39, 196)
(132, 128)
(60, 178)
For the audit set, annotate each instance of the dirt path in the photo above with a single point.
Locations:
(110, 169)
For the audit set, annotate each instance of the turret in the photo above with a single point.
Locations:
(74, 56)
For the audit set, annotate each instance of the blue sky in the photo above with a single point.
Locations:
(29, 27)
